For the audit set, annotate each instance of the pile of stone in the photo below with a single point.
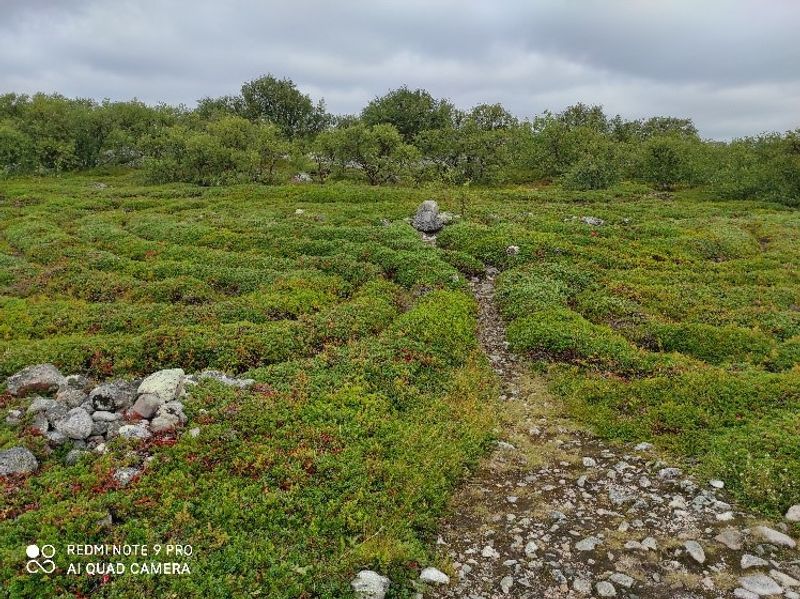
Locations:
(73, 410)
(429, 220)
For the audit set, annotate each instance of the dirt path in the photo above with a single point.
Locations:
(555, 512)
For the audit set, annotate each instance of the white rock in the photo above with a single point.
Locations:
(793, 513)
(17, 460)
(589, 462)
(621, 579)
(717, 484)
(370, 585)
(731, 538)
(582, 586)
(588, 544)
(695, 550)
(741, 593)
(751, 561)
(605, 589)
(166, 384)
(433, 576)
(774, 537)
(489, 552)
(650, 543)
(133, 431)
(506, 583)
(760, 584)
(643, 447)
(77, 424)
(124, 476)
(784, 579)
(531, 548)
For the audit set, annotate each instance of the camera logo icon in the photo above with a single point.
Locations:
(39, 559)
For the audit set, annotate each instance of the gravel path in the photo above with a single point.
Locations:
(556, 513)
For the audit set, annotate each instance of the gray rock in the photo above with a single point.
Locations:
(147, 405)
(506, 583)
(751, 561)
(643, 447)
(793, 513)
(531, 548)
(731, 538)
(113, 396)
(167, 385)
(783, 579)
(760, 584)
(104, 416)
(195, 432)
(589, 462)
(164, 423)
(621, 579)
(588, 544)
(433, 576)
(669, 473)
(77, 424)
(582, 586)
(302, 177)
(41, 404)
(124, 476)
(592, 221)
(17, 460)
(14, 417)
(99, 428)
(42, 378)
(56, 413)
(605, 589)
(74, 456)
(427, 219)
(55, 438)
(40, 423)
(695, 550)
(774, 537)
(512, 250)
(71, 397)
(77, 381)
(741, 593)
(370, 585)
(133, 431)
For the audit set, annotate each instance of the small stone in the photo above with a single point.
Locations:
(643, 447)
(650, 543)
(592, 221)
(133, 431)
(741, 593)
(104, 416)
(717, 484)
(433, 576)
(370, 585)
(14, 417)
(621, 579)
(147, 405)
(164, 423)
(195, 432)
(582, 586)
(760, 584)
(512, 250)
(489, 552)
(113, 396)
(695, 550)
(731, 538)
(71, 397)
(55, 438)
(531, 548)
(506, 583)
(42, 378)
(605, 589)
(588, 544)
(505, 446)
(74, 455)
(17, 460)
(167, 385)
(751, 561)
(793, 513)
(41, 404)
(678, 503)
(774, 537)
(589, 462)
(669, 473)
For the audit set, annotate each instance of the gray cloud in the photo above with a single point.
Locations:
(731, 65)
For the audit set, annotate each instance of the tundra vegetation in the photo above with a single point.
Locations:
(655, 285)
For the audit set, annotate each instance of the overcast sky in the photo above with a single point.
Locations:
(731, 65)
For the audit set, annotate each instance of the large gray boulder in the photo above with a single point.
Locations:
(42, 378)
(113, 396)
(17, 460)
(167, 385)
(77, 424)
(427, 218)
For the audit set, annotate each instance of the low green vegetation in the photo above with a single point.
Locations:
(674, 320)
(372, 395)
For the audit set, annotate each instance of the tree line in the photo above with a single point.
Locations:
(271, 130)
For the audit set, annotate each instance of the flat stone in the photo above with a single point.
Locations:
(370, 585)
(489, 552)
(760, 584)
(588, 544)
(621, 579)
(731, 538)
(669, 473)
(695, 550)
(774, 537)
(55, 438)
(17, 460)
(589, 462)
(582, 586)
(164, 423)
(751, 561)
(717, 484)
(784, 579)
(41, 404)
(434, 576)
(741, 593)
(42, 378)
(506, 583)
(133, 431)
(105, 416)
(165, 384)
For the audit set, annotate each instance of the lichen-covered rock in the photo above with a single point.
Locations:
(71, 397)
(17, 460)
(370, 585)
(113, 396)
(42, 378)
(164, 423)
(167, 385)
(76, 424)
(225, 379)
(427, 219)
(133, 431)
